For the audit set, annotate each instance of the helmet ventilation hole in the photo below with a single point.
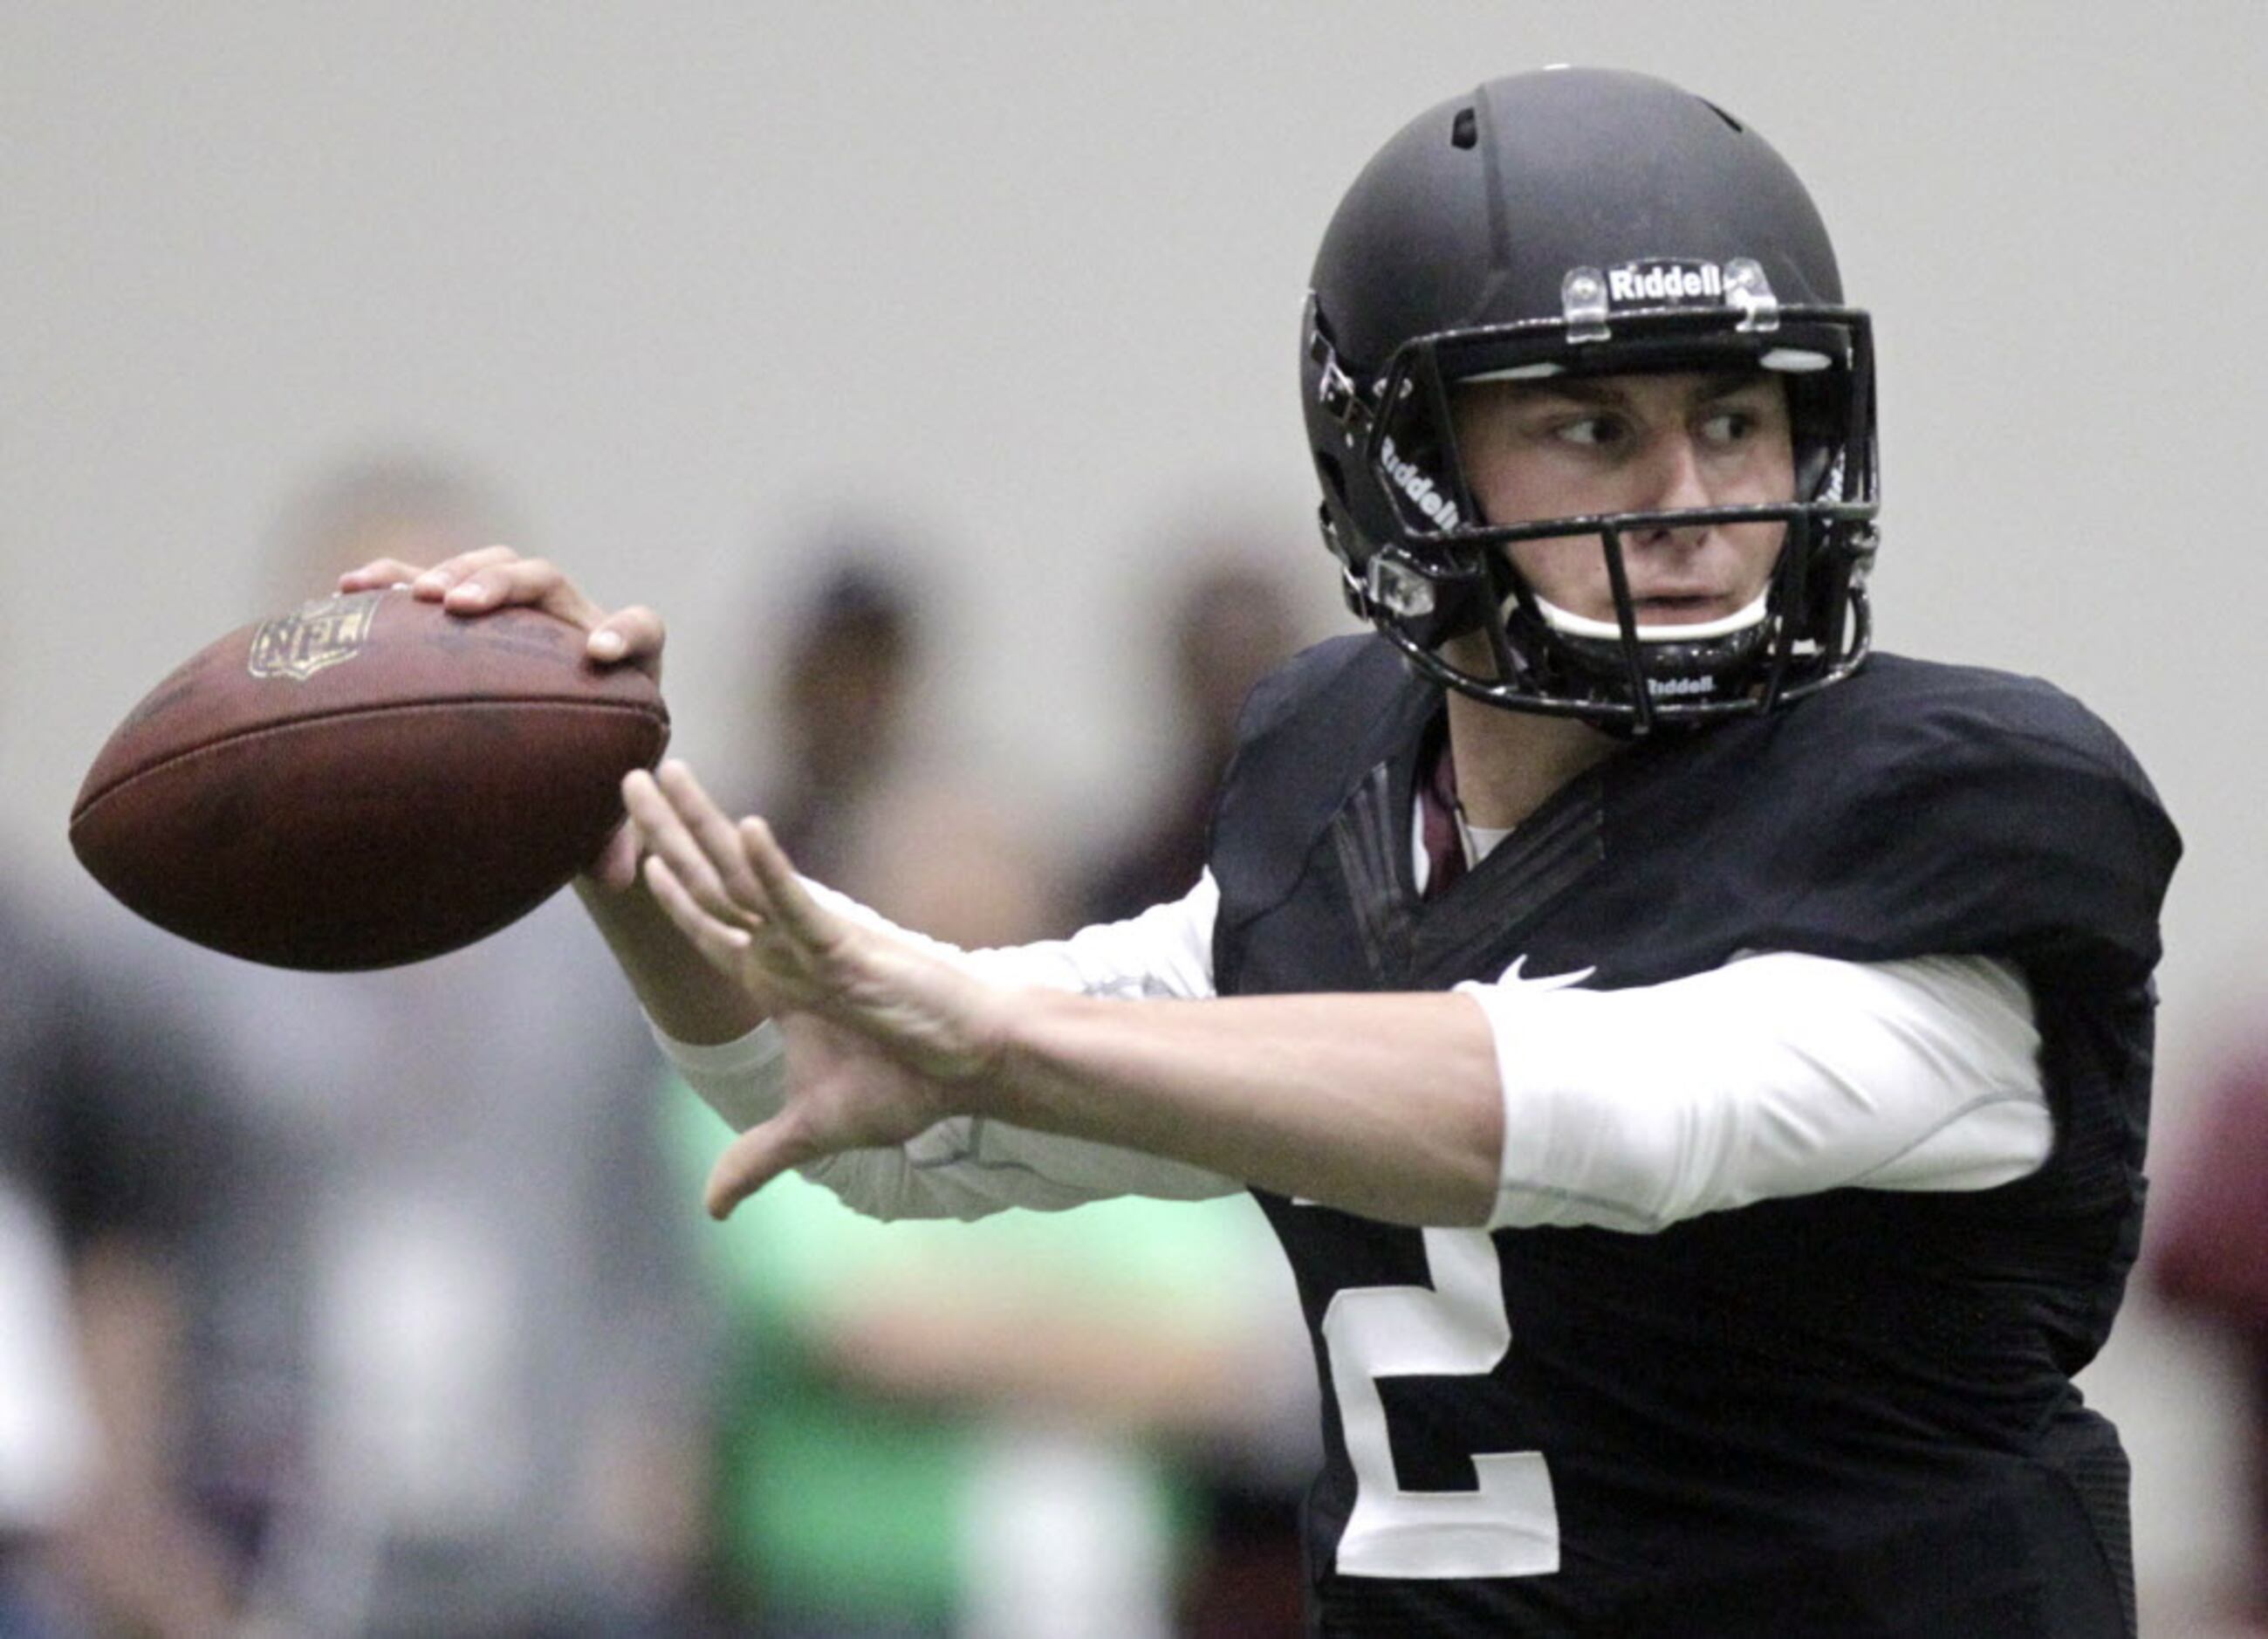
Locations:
(1465, 130)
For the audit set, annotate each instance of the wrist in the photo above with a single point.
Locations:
(685, 997)
(1009, 1031)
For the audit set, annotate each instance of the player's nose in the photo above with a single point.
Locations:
(1671, 478)
(1672, 473)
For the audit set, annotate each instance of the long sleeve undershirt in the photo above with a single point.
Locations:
(1779, 1073)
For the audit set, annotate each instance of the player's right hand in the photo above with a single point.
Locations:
(498, 577)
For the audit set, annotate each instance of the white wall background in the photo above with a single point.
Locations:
(684, 276)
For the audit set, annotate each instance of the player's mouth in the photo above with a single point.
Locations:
(1676, 609)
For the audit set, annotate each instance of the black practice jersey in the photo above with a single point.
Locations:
(1845, 1414)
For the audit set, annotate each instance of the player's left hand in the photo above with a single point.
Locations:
(843, 1093)
(901, 1027)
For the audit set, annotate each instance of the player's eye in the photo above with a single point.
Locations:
(1729, 425)
(1590, 432)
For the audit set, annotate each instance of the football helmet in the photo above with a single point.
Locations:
(1580, 221)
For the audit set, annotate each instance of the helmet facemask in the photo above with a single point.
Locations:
(1444, 587)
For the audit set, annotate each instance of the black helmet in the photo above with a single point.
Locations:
(1582, 221)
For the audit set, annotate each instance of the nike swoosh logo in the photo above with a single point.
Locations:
(1555, 981)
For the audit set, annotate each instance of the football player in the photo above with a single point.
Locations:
(1698, 1070)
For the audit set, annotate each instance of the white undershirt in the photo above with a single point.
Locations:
(1779, 1073)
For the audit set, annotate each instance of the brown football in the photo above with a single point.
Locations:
(365, 781)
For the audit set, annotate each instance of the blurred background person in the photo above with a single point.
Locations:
(115, 1149)
(843, 709)
(1232, 614)
(45, 1426)
(987, 1429)
(456, 1386)
(2207, 1260)
(862, 774)
(983, 1429)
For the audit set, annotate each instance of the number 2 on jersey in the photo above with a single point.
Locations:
(1455, 1327)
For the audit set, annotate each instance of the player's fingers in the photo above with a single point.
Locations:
(654, 824)
(379, 573)
(442, 580)
(721, 946)
(749, 1161)
(635, 634)
(507, 580)
(616, 868)
(711, 831)
(787, 901)
(662, 834)
(497, 577)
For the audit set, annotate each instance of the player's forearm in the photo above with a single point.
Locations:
(1387, 1105)
(680, 993)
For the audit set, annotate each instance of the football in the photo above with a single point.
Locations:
(365, 781)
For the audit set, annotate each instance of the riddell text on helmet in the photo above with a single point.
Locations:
(1664, 281)
(1414, 481)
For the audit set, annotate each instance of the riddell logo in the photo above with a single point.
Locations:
(1423, 493)
(1672, 687)
(1660, 283)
